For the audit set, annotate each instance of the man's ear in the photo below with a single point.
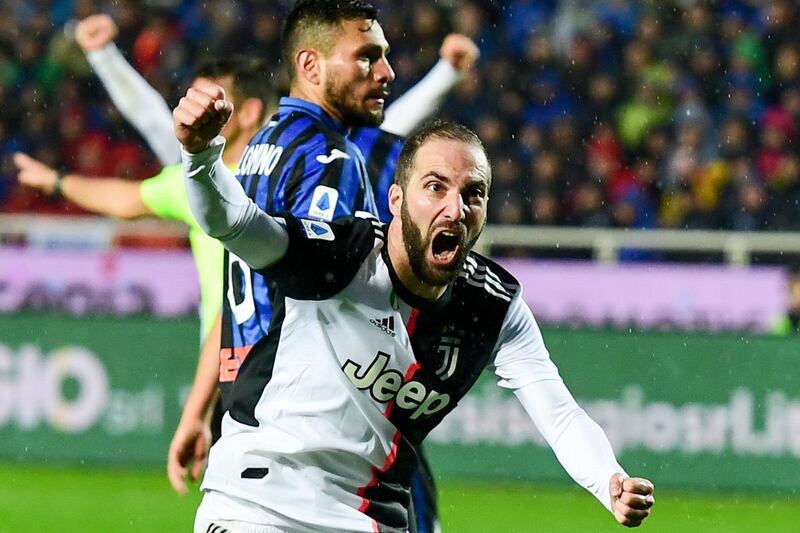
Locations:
(308, 64)
(249, 113)
(395, 199)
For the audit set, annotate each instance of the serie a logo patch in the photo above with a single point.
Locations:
(317, 230)
(323, 202)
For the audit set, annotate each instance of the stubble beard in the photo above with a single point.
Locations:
(341, 98)
(416, 250)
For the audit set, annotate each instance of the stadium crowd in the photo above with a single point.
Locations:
(678, 114)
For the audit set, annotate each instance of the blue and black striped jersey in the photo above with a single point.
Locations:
(301, 162)
(381, 150)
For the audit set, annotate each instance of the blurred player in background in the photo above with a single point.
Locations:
(164, 196)
(322, 431)
(146, 110)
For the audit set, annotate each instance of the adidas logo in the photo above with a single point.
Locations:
(384, 324)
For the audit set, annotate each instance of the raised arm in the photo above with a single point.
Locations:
(218, 202)
(581, 446)
(116, 197)
(137, 101)
(458, 53)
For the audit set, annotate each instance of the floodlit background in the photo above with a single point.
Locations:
(646, 192)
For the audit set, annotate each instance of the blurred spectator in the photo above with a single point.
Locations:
(645, 110)
(544, 208)
(777, 131)
(605, 164)
(735, 138)
(687, 159)
(589, 207)
(778, 19)
(750, 213)
(621, 113)
(603, 97)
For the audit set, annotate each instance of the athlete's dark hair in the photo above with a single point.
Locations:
(435, 129)
(310, 23)
(250, 75)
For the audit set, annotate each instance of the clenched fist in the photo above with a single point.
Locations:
(201, 115)
(460, 51)
(631, 499)
(94, 32)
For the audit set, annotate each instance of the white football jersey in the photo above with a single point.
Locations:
(325, 411)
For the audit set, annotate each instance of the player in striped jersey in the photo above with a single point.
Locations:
(304, 162)
(381, 146)
(331, 405)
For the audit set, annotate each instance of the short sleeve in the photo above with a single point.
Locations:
(323, 257)
(165, 195)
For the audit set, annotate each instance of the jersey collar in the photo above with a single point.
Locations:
(406, 295)
(288, 104)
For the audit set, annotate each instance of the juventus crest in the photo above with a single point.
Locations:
(448, 347)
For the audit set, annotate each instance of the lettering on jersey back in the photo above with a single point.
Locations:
(230, 361)
(387, 385)
(260, 159)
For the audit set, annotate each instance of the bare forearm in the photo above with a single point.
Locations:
(114, 197)
(206, 378)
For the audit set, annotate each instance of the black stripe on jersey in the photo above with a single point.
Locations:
(388, 495)
(480, 275)
(332, 172)
(316, 269)
(479, 281)
(256, 371)
(296, 176)
(378, 153)
(226, 339)
(481, 271)
(358, 201)
(471, 314)
(271, 138)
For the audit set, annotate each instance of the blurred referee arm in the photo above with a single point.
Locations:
(188, 449)
(112, 196)
(137, 101)
(218, 202)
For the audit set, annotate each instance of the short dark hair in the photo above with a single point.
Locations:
(251, 78)
(434, 129)
(313, 18)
